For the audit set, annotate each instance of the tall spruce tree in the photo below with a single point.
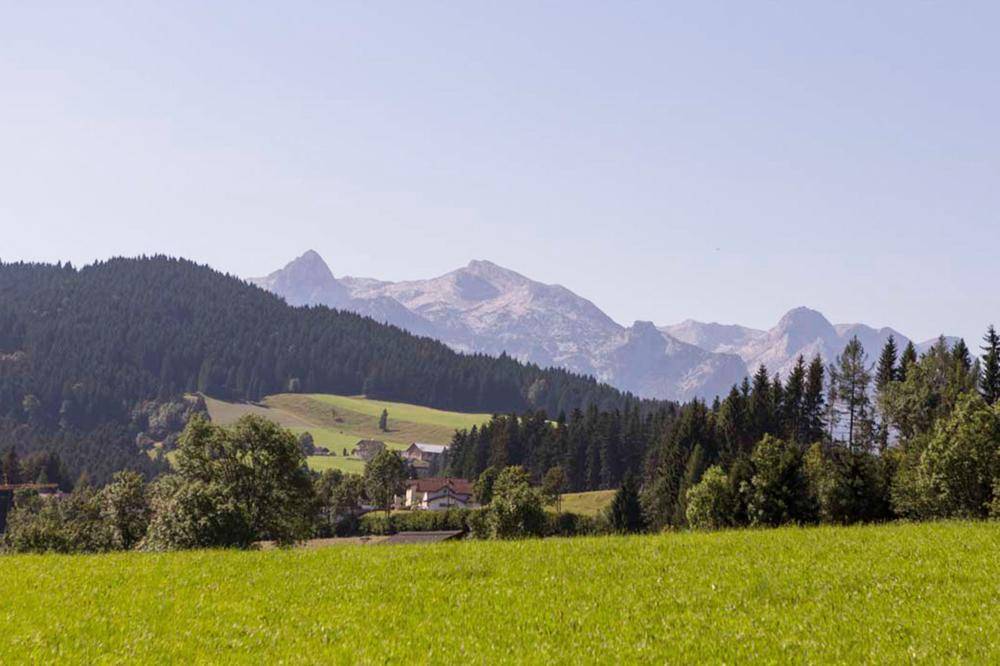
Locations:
(813, 406)
(908, 358)
(794, 397)
(886, 374)
(962, 356)
(989, 379)
(887, 371)
(761, 403)
(851, 378)
(777, 405)
(625, 512)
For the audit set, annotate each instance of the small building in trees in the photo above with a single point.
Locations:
(425, 460)
(439, 494)
(428, 453)
(367, 449)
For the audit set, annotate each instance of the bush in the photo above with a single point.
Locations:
(516, 508)
(575, 524)
(69, 524)
(376, 523)
(125, 509)
(711, 504)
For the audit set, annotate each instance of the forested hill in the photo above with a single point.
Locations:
(79, 349)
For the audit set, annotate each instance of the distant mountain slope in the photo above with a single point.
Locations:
(800, 331)
(484, 307)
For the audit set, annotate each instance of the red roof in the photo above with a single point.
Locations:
(433, 485)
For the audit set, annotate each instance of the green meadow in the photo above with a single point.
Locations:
(889, 594)
(590, 503)
(338, 422)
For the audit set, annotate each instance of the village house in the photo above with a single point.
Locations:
(428, 453)
(438, 494)
(425, 459)
(367, 449)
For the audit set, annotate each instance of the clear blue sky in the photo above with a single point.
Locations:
(722, 161)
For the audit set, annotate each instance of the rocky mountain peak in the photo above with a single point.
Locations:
(484, 307)
(498, 276)
(306, 280)
(805, 320)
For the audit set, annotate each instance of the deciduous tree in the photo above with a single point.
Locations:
(516, 509)
(384, 478)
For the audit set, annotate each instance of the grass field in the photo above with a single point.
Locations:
(589, 504)
(338, 422)
(891, 594)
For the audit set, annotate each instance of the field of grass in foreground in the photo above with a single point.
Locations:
(890, 594)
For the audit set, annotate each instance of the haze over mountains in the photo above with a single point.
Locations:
(486, 308)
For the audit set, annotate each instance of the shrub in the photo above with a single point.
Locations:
(516, 508)
(68, 524)
(711, 504)
(574, 524)
(125, 509)
(376, 523)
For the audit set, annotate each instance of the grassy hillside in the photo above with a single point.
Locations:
(338, 422)
(901, 593)
(589, 504)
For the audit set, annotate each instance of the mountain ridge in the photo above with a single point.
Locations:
(484, 307)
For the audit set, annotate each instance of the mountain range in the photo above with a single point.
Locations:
(483, 307)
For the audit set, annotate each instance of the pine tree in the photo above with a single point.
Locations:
(887, 371)
(625, 512)
(812, 403)
(383, 421)
(989, 380)
(760, 403)
(962, 356)
(886, 374)
(777, 405)
(908, 358)
(851, 378)
(693, 470)
(794, 397)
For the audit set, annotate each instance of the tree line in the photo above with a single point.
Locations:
(907, 436)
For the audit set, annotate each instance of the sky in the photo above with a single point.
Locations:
(716, 161)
